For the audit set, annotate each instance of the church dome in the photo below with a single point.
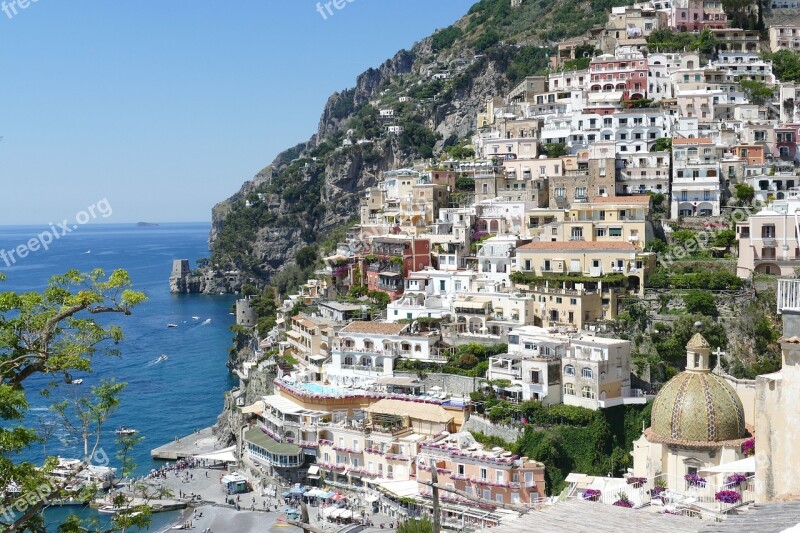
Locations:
(696, 405)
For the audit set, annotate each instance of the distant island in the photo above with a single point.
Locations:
(146, 224)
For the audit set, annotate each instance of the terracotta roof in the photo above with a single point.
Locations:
(640, 199)
(577, 246)
(699, 140)
(378, 328)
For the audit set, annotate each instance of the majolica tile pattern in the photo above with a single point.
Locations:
(700, 407)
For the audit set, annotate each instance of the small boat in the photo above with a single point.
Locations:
(172, 325)
(195, 318)
(87, 252)
(110, 509)
(76, 381)
(161, 358)
(122, 430)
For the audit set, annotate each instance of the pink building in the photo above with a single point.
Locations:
(623, 75)
(697, 15)
(768, 240)
(493, 475)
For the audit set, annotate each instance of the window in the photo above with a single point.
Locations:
(561, 192)
(600, 232)
(484, 473)
(768, 232)
(580, 192)
(569, 370)
(461, 469)
(615, 232)
(569, 389)
(576, 234)
(587, 393)
(587, 373)
(500, 476)
(546, 266)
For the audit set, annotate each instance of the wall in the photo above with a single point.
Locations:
(455, 385)
(481, 425)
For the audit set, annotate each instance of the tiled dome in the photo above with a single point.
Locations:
(699, 407)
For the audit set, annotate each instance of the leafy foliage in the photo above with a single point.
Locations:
(50, 335)
(444, 39)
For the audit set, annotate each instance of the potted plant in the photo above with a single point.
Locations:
(735, 480)
(637, 482)
(623, 501)
(728, 496)
(695, 481)
(591, 495)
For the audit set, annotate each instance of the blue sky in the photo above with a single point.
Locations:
(165, 108)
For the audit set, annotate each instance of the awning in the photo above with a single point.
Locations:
(293, 334)
(418, 411)
(470, 305)
(228, 455)
(255, 409)
(313, 470)
(742, 465)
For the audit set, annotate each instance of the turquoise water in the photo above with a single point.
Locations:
(316, 388)
(163, 400)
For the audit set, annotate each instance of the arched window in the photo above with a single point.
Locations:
(348, 361)
(417, 348)
(587, 373)
(587, 392)
(569, 389)
(368, 344)
(569, 370)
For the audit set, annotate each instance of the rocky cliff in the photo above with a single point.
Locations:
(436, 89)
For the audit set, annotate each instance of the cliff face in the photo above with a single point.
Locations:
(436, 90)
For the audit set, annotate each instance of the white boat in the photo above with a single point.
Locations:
(122, 430)
(110, 509)
(172, 325)
(76, 381)
(161, 358)
(195, 318)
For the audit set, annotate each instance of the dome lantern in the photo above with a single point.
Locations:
(698, 352)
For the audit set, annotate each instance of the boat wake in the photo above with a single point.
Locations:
(206, 322)
(161, 359)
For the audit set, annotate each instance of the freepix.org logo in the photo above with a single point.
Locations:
(12, 7)
(43, 240)
(326, 9)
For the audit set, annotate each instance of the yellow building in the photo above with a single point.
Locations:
(585, 262)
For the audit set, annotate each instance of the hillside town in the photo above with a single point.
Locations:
(578, 194)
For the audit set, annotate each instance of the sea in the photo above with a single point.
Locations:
(163, 400)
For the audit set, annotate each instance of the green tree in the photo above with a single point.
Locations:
(306, 257)
(724, 238)
(700, 302)
(423, 525)
(757, 91)
(662, 144)
(51, 335)
(554, 149)
(744, 192)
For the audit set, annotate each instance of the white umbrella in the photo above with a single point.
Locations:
(742, 465)
(436, 388)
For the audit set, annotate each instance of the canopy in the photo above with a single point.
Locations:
(255, 409)
(296, 490)
(328, 511)
(315, 493)
(347, 513)
(228, 455)
(742, 465)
